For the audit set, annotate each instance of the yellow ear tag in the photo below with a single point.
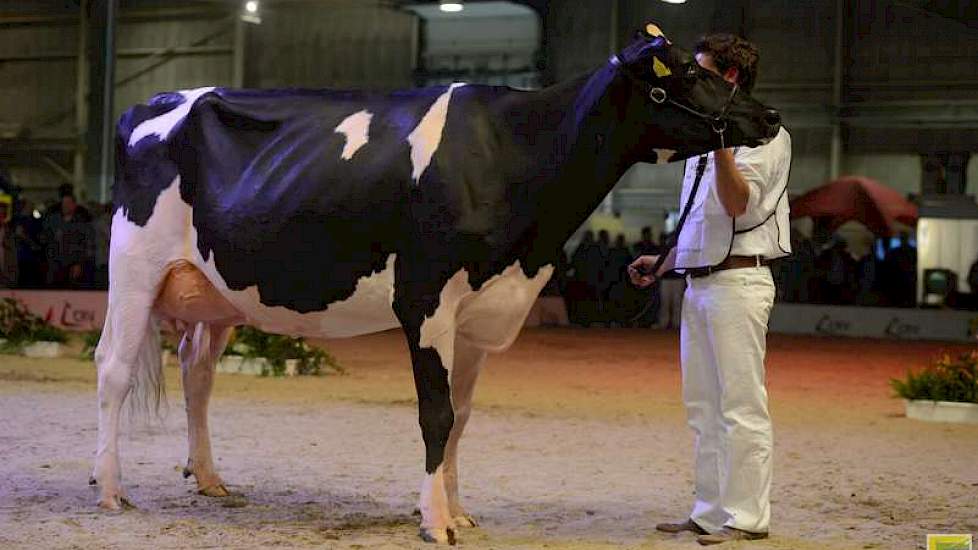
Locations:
(653, 30)
(660, 68)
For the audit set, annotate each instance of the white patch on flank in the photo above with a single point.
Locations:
(489, 318)
(426, 136)
(356, 129)
(144, 251)
(163, 124)
(662, 156)
(366, 311)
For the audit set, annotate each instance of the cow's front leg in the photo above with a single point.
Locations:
(467, 363)
(436, 419)
(200, 348)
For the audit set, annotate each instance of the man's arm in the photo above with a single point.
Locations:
(732, 187)
(639, 271)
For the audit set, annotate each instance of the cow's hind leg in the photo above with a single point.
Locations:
(128, 342)
(467, 363)
(200, 348)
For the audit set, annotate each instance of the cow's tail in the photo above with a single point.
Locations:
(147, 390)
(148, 385)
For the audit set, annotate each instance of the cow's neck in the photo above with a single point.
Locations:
(577, 161)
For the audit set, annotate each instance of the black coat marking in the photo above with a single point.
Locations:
(515, 174)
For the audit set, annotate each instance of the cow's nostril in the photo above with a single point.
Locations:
(772, 117)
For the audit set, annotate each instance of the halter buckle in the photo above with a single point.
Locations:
(657, 95)
(719, 125)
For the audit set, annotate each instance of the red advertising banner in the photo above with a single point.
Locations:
(79, 310)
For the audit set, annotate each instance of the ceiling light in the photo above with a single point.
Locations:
(450, 7)
(674, 1)
(251, 6)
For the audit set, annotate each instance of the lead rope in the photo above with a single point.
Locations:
(674, 239)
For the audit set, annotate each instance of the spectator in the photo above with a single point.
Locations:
(581, 293)
(617, 286)
(867, 278)
(837, 272)
(598, 272)
(27, 232)
(646, 246)
(8, 252)
(101, 229)
(799, 269)
(69, 241)
(901, 273)
(973, 278)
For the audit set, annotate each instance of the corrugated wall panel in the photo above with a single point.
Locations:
(342, 46)
(171, 72)
(34, 92)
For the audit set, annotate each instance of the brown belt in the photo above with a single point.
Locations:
(732, 262)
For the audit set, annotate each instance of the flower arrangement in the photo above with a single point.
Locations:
(948, 379)
(19, 327)
(252, 343)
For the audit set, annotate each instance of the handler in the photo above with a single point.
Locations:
(737, 224)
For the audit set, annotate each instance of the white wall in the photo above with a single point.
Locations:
(902, 171)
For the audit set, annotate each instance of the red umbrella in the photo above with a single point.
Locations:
(856, 198)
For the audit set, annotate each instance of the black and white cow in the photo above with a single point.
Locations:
(329, 213)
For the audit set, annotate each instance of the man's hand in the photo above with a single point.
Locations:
(640, 271)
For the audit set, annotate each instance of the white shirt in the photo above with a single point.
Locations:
(709, 235)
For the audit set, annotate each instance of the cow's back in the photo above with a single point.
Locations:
(299, 200)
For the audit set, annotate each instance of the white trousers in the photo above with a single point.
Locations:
(723, 342)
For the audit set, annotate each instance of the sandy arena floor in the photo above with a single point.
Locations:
(578, 441)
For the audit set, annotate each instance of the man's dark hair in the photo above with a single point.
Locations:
(728, 51)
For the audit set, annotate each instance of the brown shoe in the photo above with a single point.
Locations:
(688, 525)
(728, 534)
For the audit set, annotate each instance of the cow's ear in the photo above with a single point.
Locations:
(651, 31)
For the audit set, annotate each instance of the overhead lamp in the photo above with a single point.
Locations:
(250, 13)
(674, 1)
(450, 7)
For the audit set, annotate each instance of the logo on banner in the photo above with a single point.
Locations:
(830, 326)
(949, 542)
(72, 317)
(897, 328)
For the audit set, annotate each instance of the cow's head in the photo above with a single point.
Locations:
(682, 109)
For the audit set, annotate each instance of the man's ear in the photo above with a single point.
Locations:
(731, 75)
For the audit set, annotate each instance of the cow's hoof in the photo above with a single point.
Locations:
(115, 503)
(438, 536)
(465, 521)
(218, 490)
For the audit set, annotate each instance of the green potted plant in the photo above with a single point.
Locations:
(251, 351)
(946, 391)
(26, 333)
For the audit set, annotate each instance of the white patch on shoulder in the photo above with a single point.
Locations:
(426, 136)
(163, 124)
(356, 128)
(662, 156)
